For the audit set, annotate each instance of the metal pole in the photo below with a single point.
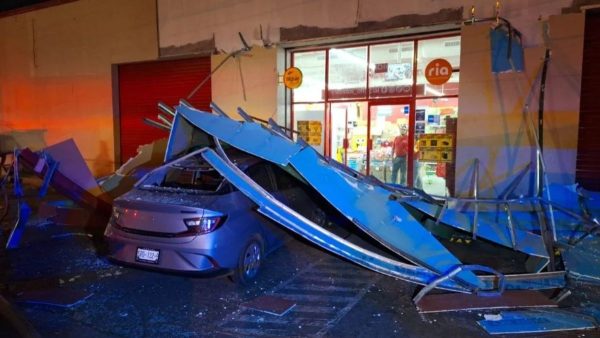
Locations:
(475, 197)
(540, 150)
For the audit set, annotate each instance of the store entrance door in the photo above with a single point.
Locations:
(389, 143)
(348, 134)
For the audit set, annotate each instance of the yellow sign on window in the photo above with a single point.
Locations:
(292, 78)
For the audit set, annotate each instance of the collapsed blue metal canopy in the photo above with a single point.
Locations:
(366, 205)
(370, 205)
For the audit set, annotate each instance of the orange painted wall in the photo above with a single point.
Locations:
(55, 70)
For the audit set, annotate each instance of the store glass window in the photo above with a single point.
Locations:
(348, 73)
(312, 65)
(447, 48)
(435, 136)
(391, 69)
(309, 123)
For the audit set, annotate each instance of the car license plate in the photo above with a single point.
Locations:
(147, 255)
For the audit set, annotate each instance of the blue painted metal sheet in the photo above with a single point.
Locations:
(583, 260)
(537, 321)
(14, 239)
(502, 43)
(283, 215)
(526, 242)
(592, 202)
(367, 205)
(529, 281)
(250, 137)
(372, 210)
(178, 138)
(280, 213)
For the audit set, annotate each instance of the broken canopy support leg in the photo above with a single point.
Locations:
(52, 166)
(440, 215)
(166, 109)
(453, 272)
(475, 196)
(17, 232)
(277, 128)
(511, 226)
(545, 232)
(23, 209)
(245, 115)
(218, 110)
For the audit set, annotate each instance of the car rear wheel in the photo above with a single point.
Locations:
(249, 263)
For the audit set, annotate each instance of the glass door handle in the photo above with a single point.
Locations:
(345, 143)
(370, 144)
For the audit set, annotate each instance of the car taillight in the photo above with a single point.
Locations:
(116, 213)
(203, 225)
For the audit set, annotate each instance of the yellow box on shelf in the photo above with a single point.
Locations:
(436, 154)
(436, 140)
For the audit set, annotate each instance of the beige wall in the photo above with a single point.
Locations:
(259, 74)
(183, 22)
(55, 70)
(492, 126)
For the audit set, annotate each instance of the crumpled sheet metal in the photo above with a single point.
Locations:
(536, 321)
(582, 261)
(282, 214)
(249, 137)
(367, 205)
(526, 242)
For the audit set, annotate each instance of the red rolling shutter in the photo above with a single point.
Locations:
(143, 85)
(588, 146)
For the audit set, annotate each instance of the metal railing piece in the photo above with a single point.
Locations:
(476, 197)
(166, 109)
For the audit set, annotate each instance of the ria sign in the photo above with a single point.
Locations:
(438, 71)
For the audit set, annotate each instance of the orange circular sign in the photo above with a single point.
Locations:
(438, 71)
(292, 78)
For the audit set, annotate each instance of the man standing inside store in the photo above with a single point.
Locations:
(399, 152)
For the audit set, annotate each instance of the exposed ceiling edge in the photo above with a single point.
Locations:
(389, 33)
(199, 48)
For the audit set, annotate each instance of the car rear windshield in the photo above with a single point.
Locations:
(191, 175)
(206, 180)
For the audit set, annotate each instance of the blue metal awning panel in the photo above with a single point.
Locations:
(250, 137)
(526, 242)
(373, 211)
(367, 205)
(582, 261)
(283, 215)
(537, 321)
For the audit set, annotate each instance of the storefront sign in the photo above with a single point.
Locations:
(361, 93)
(438, 72)
(292, 78)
